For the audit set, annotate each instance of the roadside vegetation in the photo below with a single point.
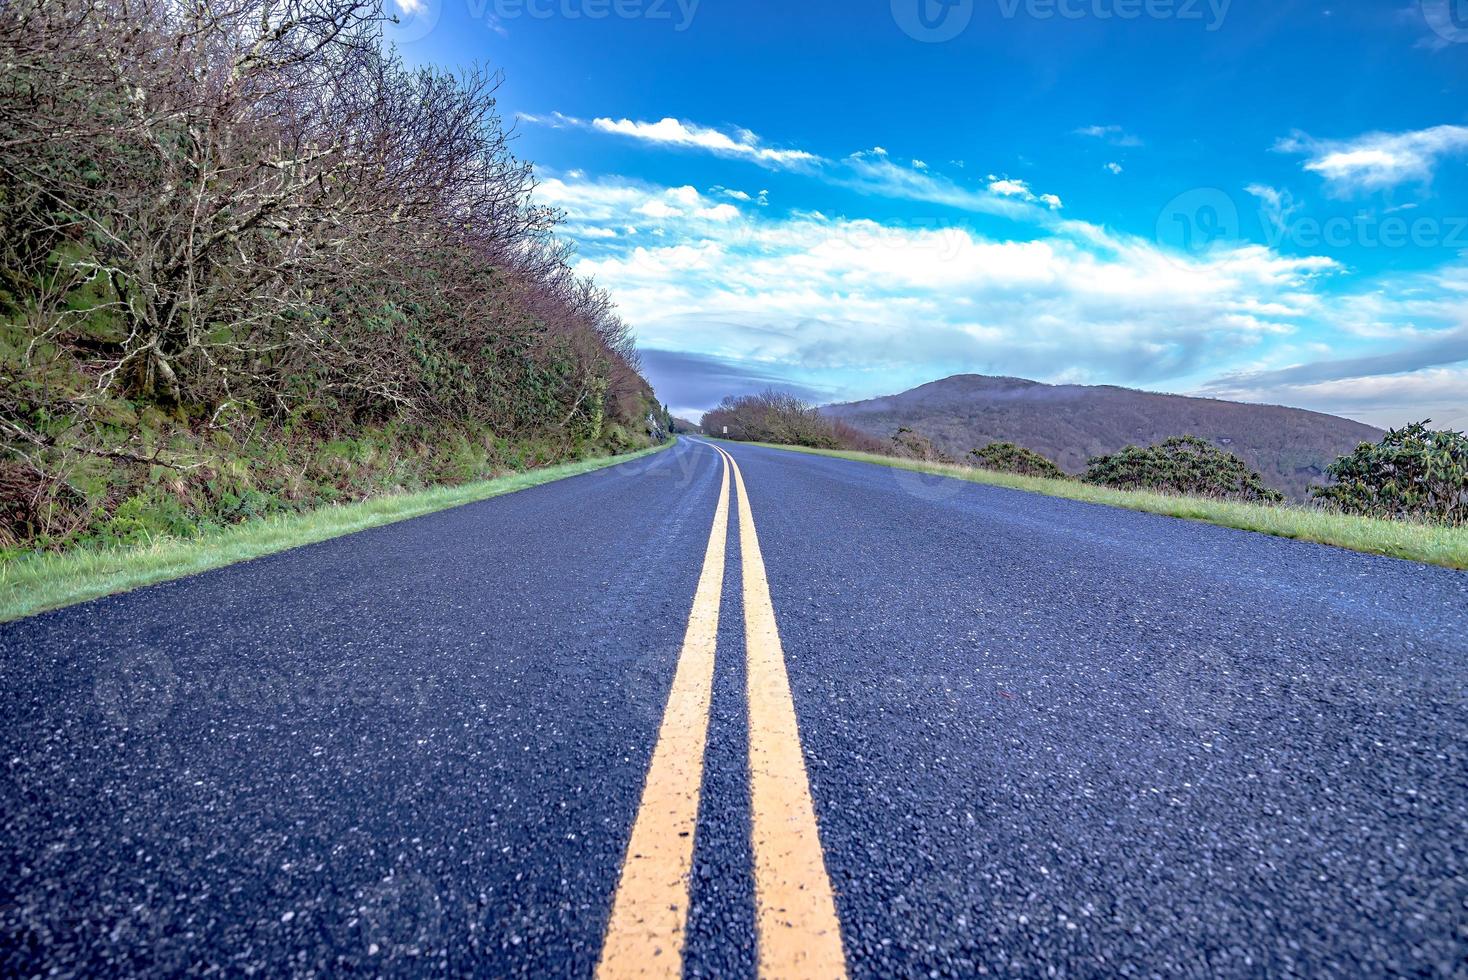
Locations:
(1006, 457)
(1405, 497)
(49, 580)
(1184, 465)
(774, 416)
(252, 265)
(1412, 474)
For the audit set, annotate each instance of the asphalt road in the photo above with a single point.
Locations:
(1040, 738)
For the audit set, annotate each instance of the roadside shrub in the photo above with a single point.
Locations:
(1184, 465)
(850, 437)
(1006, 457)
(908, 444)
(772, 416)
(1414, 473)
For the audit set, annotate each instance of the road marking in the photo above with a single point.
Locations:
(650, 911)
(795, 912)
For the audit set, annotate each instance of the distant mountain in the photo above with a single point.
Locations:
(683, 425)
(1071, 423)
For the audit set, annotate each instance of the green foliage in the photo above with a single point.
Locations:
(1183, 465)
(148, 515)
(1414, 473)
(1006, 457)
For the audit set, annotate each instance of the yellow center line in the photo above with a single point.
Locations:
(795, 912)
(650, 911)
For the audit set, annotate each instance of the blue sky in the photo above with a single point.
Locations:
(1263, 200)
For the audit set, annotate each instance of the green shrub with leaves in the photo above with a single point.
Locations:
(1414, 473)
(1006, 457)
(1184, 465)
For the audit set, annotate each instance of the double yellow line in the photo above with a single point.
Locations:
(799, 934)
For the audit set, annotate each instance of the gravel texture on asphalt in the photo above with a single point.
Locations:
(1043, 738)
(1046, 735)
(417, 749)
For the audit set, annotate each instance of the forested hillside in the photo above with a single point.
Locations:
(250, 261)
(1072, 423)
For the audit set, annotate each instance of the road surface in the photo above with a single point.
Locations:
(799, 717)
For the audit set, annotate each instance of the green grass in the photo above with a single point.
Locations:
(38, 582)
(1433, 544)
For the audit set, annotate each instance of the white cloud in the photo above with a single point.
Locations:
(1377, 161)
(866, 307)
(869, 171)
(593, 207)
(411, 7)
(675, 132)
(1114, 135)
(719, 212)
(855, 296)
(1276, 207)
(672, 132)
(872, 172)
(1385, 400)
(1005, 187)
(1019, 190)
(1114, 167)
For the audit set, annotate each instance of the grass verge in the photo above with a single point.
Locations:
(36, 583)
(1432, 544)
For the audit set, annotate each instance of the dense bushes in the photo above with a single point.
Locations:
(1006, 457)
(1414, 473)
(774, 416)
(241, 232)
(1183, 465)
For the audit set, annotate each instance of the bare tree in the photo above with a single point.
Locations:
(251, 210)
